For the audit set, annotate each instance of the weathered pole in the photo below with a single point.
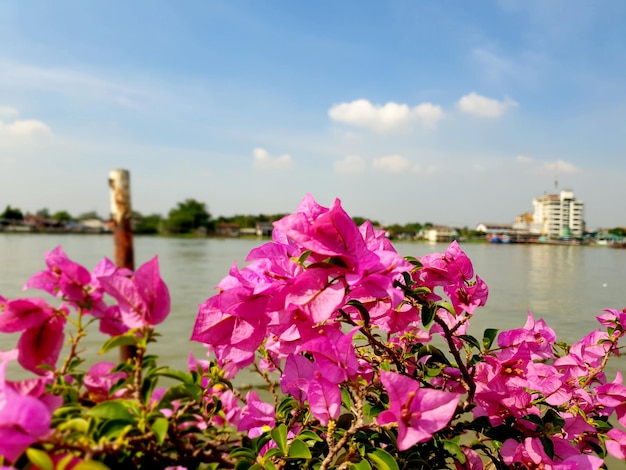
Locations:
(121, 215)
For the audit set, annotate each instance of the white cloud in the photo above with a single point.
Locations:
(559, 167)
(554, 168)
(394, 164)
(387, 117)
(482, 106)
(523, 159)
(8, 112)
(350, 164)
(263, 160)
(25, 128)
(429, 114)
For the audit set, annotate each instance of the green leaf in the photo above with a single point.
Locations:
(75, 424)
(173, 374)
(553, 418)
(428, 313)
(90, 465)
(299, 450)
(279, 435)
(421, 291)
(548, 446)
(273, 452)
(372, 411)
(40, 459)
(178, 392)
(286, 405)
(242, 453)
(471, 340)
(309, 436)
(243, 465)
(346, 399)
(446, 306)
(382, 460)
(489, 336)
(414, 261)
(147, 387)
(362, 465)
(455, 451)
(365, 314)
(436, 355)
(303, 257)
(113, 428)
(111, 410)
(63, 462)
(127, 339)
(534, 419)
(159, 428)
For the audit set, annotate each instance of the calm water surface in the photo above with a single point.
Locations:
(566, 285)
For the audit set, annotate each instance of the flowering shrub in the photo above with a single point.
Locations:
(365, 354)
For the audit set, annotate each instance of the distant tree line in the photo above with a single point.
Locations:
(193, 217)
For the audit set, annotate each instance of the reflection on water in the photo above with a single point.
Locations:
(568, 286)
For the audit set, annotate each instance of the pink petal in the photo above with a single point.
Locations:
(153, 291)
(42, 345)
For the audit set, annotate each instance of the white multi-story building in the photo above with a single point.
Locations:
(558, 215)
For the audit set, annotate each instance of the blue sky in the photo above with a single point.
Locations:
(448, 112)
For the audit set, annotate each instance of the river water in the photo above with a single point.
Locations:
(568, 286)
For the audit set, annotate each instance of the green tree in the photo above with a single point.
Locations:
(146, 224)
(62, 216)
(89, 215)
(45, 213)
(188, 217)
(618, 231)
(12, 213)
(360, 220)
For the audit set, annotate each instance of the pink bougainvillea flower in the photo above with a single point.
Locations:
(143, 299)
(616, 444)
(297, 374)
(315, 295)
(100, 379)
(36, 388)
(230, 412)
(327, 231)
(42, 331)
(472, 460)
(468, 296)
(22, 314)
(535, 336)
(23, 419)
(257, 416)
(450, 268)
(613, 396)
(324, 399)
(42, 345)
(417, 411)
(333, 353)
(613, 318)
(531, 454)
(63, 278)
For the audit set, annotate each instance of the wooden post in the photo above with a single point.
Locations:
(121, 215)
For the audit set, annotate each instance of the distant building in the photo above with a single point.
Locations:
(495, 228)
(264, 229)
(440, 233)
(226, 229)
(558, 215)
